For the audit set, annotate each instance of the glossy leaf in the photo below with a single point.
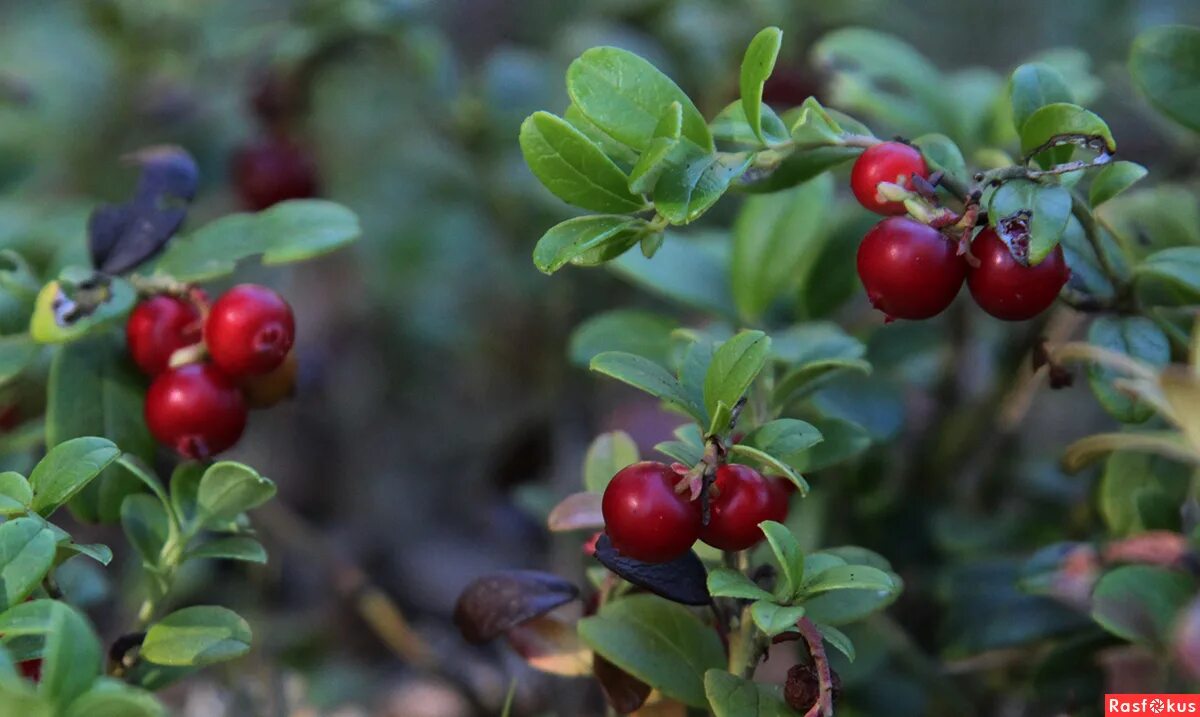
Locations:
(146, 525)
(774, 241)
(788, 555)
(1114, 179)
(1062, 125)
(1163, 66)
(27, 548)
(1048, 208)
(735, 365)
(658, 642)
(1032, 87)
(608, 453)
(659, 152)
(625, 96)
(774, 619)
(15, 493)
(228, 489)
(689, 187)
(724, 582)
(196, 636)
(234, 547)
(645, 375)
(586, 241)
(291, 231)
(757, 65)
(770, 464)
(573, 168)
(67, 468)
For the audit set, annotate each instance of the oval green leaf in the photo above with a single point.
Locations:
(196, 636)
(573, 168)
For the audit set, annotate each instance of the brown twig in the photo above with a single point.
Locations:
(816, 648)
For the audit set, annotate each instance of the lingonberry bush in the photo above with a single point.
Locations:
(138, 357)
(705, 558)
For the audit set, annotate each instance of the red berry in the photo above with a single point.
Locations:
(195, 409)
(249, 331)
(910, 270)
(31, 669)
(741, 500)
(893, 162)
(271, 170)
(1009, 290)
(157, 328)
(645, 517)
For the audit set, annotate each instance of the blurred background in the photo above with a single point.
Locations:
(442, 407)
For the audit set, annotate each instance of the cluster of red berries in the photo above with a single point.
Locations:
(199, 408)
(650, 515)
(913, 271)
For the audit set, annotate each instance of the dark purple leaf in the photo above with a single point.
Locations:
(682, 580)
(493, 604)
(623, 691)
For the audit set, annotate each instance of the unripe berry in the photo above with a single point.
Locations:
(157, 328)
(195, 409)
(910, 270)
(739, 500)
(893, 162)
(645, 517)
(273, 387)
(1009, 290)
(249, 331)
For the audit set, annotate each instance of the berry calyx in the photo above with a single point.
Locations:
(272, 170)
(1006, 288)
(893, 162)
(739, 500)
(157, 328)
(910, 270)
(645, 517)
(250, 330)
(195, 409)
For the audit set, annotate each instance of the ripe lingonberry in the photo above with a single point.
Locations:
(645, 517)
(195, 409)
(249, 331)
(741, 499)
(157, 328)
(271, 170)
(893, 162)
(910, 270)
(1009, 290)
(31, 669)
(272, 387)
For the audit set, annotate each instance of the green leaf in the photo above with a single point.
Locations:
(628, 330)
(658, 642)
(17, 352)
(771, 463)
(99, 552)
(814, 126)
(146, 525)
(731, 696)
(290, 231)
(71, 659)
(685, 453)
(724, 582)
(185, 487)
(586, 241)
(617, 150)
(1163, 65)
(757, 65)
(27, 548)
(942, 154)
(1061, 125)
(1114, 179)
(838, 639)
(1032, 87)
(731, 125)
(799, 167)
(94, 390)
(775, 239)
(656, 158)
(573, 168)
(15, 493)
(774, 619)
(1134, 336)
(196, 636)
(788, 555)
(608, 454)
(234, 547)
(67, 468)
(645, 375)
(1179, 267)
(110, 697)
(47, 327)
(689, 187)
(625, 96)
(850, 577)
(1140, 603)
(1049, 208)
(734, 367)
(693, 272)
(228, 489)
(784, 437)
(842, 607)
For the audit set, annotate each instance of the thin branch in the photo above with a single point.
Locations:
(816, 648)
